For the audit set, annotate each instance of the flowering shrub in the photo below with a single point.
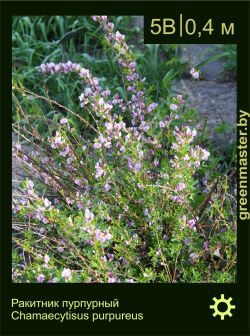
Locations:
(125, 202)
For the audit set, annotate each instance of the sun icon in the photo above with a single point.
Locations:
(225, 302)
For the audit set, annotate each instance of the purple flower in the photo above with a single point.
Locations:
(97, 145)
(79, 205)
(158, 252)
(110, 256)
(70, 159)
(192, 257)
(205, 245)
(130, 78)
(104, 93)
(42, 230)
(191, 223)
(152, 107)
(205, 154)
(131, 223)
(156, 163)
(107, 187)
(180, 99)
(122, 149)
(46, 203)
(180, 186)
(15, 208)
(53, 280)
(102, 236)
(107, 234)
(140, 154)
(89, 216)
(194, 73)
(30, 184)
(119, 37)
(187, 241)
(18, 146)
(56, 141)
(132, 64)
(197, 164)
(65, 152)
(194, 133)
(174, 107)
(112, 278)
(40, 278)
(66, 273)
(177, 199)
(63, 121)
(46, 259)
(174, 146)
(78, 183)
(162, 124)
(99, 170)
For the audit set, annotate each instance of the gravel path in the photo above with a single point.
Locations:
(215, 96)
(215, 101)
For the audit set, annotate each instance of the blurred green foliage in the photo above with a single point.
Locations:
(41, 39)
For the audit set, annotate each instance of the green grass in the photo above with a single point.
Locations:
(44, 39)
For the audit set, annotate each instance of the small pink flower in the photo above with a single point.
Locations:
(174, 107)
(177, 199)
(191, 223)
(66, 273)
(156, 163)
(107, 187)
(65, 151)
(112, 278)
(63, 121)
(174, 146)
(46, 203)
(89, 216)
(197, 164)
(122, 149)
(180, 186)
(18, 146)
(97, 145)
(78, 183)
(158, 252)
(152, 107)
(46, 259)
(162, 124)
(194, 73)
(60, 249)
(205, 154)
(110, 256)
(30, 184)
(40, 278)
(194, 132)
(107, 234)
